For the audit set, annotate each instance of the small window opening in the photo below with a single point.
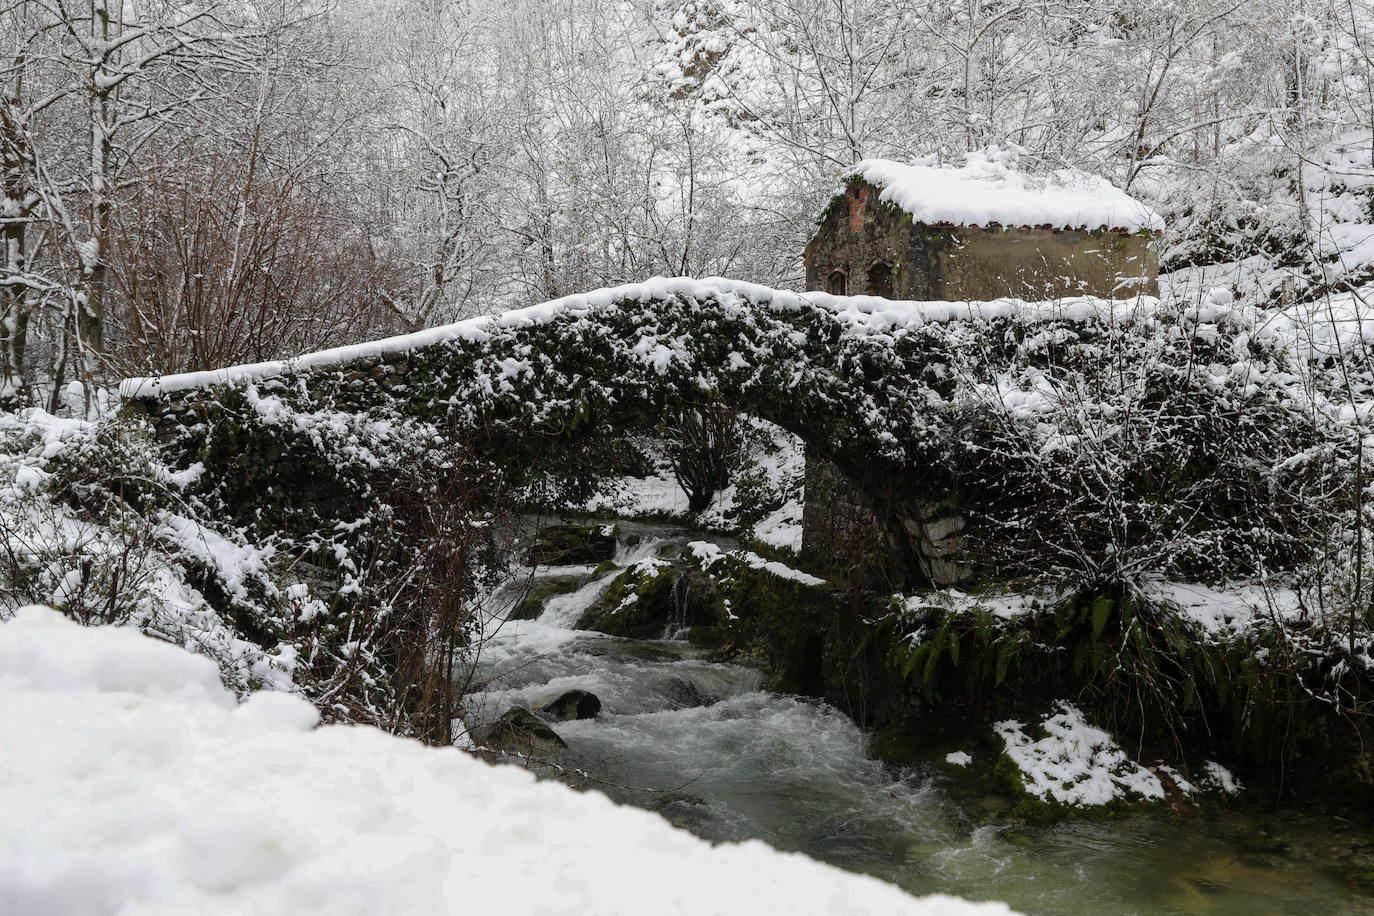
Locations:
(837, 284)
(880, 280)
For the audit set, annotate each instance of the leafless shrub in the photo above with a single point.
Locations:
(704, 446)
(96, 572)
(433, 549)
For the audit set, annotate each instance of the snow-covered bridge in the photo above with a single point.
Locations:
(885, 391)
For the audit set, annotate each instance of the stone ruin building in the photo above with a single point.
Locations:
(982, 231)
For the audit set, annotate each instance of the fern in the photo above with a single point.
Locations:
(1101, 610)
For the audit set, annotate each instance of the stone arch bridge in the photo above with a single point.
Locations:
(885, 394)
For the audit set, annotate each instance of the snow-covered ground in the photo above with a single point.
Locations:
(1005, 605)
(132, 782)
(1229, 611)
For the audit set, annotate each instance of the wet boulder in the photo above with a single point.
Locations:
(681, 809)
(521, 732)
(575, 704)
(640, 651)
(685, 694)
(572, 545)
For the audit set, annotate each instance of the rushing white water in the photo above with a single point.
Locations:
(700, 741)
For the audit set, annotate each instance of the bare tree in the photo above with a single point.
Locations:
(89, 86)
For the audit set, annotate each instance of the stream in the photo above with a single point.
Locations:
(702, 744)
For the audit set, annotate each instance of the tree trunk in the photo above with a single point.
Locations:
(14, 295)
(90, 312)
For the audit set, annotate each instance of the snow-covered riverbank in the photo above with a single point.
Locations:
(132, 782)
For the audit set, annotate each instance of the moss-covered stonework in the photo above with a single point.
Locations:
(927, 685)
(902, 412)
(867, 530)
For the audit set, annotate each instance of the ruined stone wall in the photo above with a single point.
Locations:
(1036, 264)
(884, 534)
(857, 233)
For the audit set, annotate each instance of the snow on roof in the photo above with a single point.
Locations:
(857, 314)
(988, 189)
(131, 781)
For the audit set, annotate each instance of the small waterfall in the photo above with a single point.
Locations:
(677, 621)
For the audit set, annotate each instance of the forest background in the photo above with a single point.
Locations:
(190, 185)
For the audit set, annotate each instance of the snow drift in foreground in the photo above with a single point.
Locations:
(130, 781)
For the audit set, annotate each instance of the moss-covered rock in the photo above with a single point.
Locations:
(682, 693)
(521, 732)
(1029, 808)
(575, 704)
(653, 599)
(781, 622)
(898, 746)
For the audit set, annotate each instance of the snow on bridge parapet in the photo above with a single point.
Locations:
(896, 395)
(857, 315)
